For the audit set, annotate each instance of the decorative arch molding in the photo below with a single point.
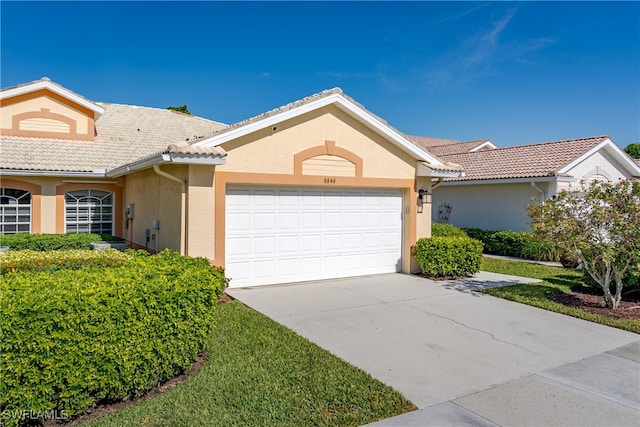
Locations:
(118, 208)
(598, 171)
(46, 113)
(36, 200)
(328, 149)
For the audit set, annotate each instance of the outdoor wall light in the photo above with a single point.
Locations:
(424, 196)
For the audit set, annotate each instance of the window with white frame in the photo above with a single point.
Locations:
(15, 211)
(88, 211)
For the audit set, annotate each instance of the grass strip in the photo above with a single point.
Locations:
(260, 373)
(554, 280)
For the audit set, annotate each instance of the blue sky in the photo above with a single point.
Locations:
(513, 72)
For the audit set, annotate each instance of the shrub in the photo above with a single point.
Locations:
(72, 338)
(479, 234)
(448, 256)
(52, 242)
(520, 244)
(28, 260)
(439, 229)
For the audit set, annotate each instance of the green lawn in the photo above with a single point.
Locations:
(260, 373)
(555, 280)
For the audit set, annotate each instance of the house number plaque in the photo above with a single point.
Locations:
(329, 180)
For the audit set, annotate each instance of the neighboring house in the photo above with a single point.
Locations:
(499, 182)
(320, 188)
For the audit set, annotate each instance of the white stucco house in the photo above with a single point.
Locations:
(499, 182)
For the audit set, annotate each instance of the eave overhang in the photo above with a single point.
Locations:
(510, 180)
(164, 158)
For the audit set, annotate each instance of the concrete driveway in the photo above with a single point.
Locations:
(462, 357)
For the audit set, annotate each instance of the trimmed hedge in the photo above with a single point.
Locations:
(520, 244)
(74, 337)
(439, 229)
(53, 242)
(448, 256)
(50, 261)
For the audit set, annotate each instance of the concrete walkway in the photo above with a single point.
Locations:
(462, 357)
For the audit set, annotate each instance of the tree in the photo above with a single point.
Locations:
(180, 109)
(633, 150)
(600, 226)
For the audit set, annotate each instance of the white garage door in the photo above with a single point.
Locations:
(290, 234)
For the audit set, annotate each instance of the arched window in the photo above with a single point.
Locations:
(15, 211)
(88, 211)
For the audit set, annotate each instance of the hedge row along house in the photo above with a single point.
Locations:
(499, 182)
(319, 188)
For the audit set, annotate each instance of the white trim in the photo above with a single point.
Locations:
(45, 84)
(60, 174)
(162, 158)
(87, 181)
(617, 153)
(426, 171)
(339, 101)
(510, 181)
(487, 143)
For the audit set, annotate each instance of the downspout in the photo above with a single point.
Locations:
(437, 184)
(183, 205)
(534, 186)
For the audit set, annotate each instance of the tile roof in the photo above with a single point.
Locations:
(458, 148)
(124, 134)
(447, 166)
(525, 161)
(299, 103)
(428, 142)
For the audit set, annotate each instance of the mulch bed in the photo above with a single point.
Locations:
(589, 300)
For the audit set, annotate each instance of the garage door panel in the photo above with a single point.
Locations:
(332, 242)
(264, 222)
(286, 234)
(352, 219)
(264, 198)
(288, 245)
(372, 220)
(239, 222)
(390, 238)
(311, 265)
(311, 221)
(391, 219)
(288, 199)
(288, 267)
(371, 239)
(238, 246)
(352, 240)
(311, 243)
(264, 268)
(264, 245)
(288, 221)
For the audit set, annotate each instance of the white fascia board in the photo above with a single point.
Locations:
(163, 158)
(60, 174)
(341, 103)
(43, 84)
(195, 159)
(424, 170)
(487, 143)
(509, 181)
(138, 165)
